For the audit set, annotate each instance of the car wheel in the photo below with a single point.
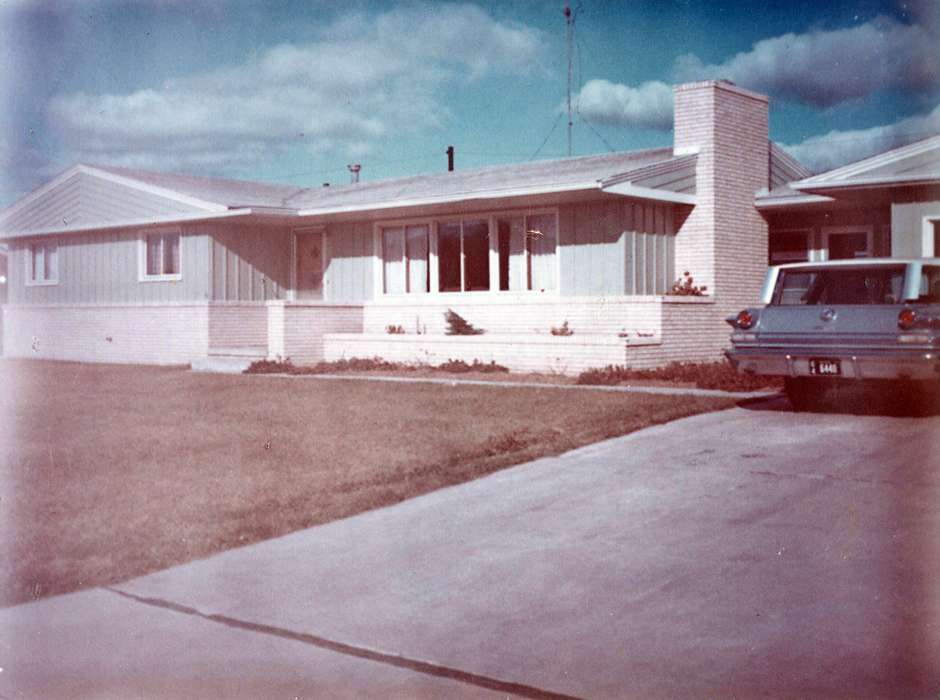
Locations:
(804, 394)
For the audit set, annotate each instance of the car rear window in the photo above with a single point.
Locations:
(846, 285)
(930, 284)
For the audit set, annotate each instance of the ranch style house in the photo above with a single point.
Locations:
(109, 264)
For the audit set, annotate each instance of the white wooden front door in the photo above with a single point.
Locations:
(308, 265)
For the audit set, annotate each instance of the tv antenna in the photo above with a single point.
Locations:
(569, 31)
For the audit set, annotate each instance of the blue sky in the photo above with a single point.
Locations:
(291, 92)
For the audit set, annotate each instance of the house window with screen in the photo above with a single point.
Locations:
(43, 263)
(161, 256)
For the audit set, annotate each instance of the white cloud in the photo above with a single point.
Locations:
(828, 151)
(648, 106)
(820, 68)
(363, 79)
(825, 68)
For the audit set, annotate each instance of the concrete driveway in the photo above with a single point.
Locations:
(752, 552)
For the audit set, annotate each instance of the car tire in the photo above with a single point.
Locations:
(804, 394)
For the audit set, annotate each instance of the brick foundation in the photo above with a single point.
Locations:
(165, 334)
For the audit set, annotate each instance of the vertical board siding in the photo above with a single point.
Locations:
(610, 248)
(349, 261)
(102, 268)
(86, 199)
(250, 263)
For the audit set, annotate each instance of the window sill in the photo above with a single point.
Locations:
(160, 278)
(42, 283)
(488, 294)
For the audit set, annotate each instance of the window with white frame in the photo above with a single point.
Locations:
(463, 255)
(43, 263)
(513, 252)
(789, 246)
(160, 256)
(405, 259)
(527, 252)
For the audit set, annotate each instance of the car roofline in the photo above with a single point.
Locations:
(858, 262)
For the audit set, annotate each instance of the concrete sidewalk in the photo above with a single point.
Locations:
(618, 388)
(742, 553)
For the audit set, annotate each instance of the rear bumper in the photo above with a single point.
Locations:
(919, 365)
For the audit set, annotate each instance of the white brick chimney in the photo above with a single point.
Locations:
(723, 242)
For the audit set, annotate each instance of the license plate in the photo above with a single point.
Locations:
(824, 367)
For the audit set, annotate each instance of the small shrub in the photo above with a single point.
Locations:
(459, 367)
(563, 329)
(394, 330)
(685, 287)
(353, 364)
(703, 375)
(458, 325)
(488, 367)
(454, 366)
(270, 367)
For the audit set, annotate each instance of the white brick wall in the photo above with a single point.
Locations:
(238, 324)
(296, 329)
(508, 313)
(162, 334)
(723, 242)
(519, 352)
(661, 330)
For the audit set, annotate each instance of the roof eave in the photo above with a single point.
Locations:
(628, 189)
(791, 201)
(817, 187)
(448, 199)
(135, 223)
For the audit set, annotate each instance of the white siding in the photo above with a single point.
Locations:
(84, 200)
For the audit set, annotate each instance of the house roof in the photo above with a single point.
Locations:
(540, 177)
(786, 196)
(88, 197)
(93, 196)
(914, 164)
(232, 194)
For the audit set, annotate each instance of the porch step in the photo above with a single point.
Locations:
(230, 360)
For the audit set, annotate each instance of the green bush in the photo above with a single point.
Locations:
(459, 367)
(686, 287)
(270, 367)
(704, 375)
(458, 325)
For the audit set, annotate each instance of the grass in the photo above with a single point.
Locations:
(702, 375)
(111, 472)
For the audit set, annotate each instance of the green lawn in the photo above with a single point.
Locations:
(110, 472)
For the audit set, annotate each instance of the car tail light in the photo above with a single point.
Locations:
(744, 320)
(906, 319)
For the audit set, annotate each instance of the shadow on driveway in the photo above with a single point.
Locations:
(896, 402)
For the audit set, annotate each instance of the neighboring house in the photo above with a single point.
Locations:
(116, 265)
(3, 288)
(3, 276)
(886, 205)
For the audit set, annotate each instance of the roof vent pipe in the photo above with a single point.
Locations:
(354, 169)
(450, 159)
